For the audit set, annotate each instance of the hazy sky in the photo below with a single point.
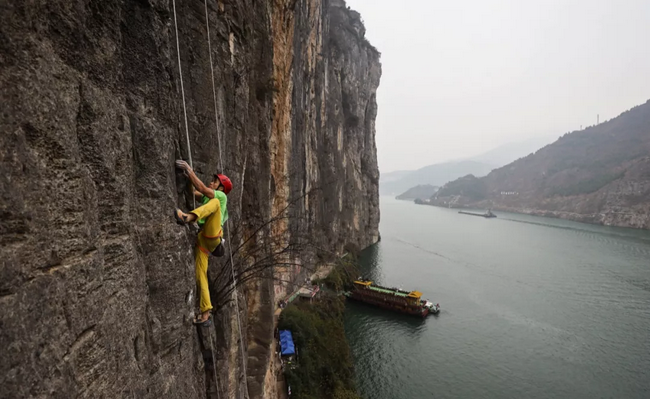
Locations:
(462, 77)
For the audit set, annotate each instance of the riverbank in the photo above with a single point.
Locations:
(620, 218)
(324, 364)
(275, 382)
(319, 334)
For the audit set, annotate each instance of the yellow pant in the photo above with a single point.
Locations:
(207, 240)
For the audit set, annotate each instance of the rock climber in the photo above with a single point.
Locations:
(211, 215)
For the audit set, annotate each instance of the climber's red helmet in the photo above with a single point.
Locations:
(225, 182)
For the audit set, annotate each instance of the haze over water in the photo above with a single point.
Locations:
(531, 308)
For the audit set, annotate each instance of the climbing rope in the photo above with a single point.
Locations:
(189, 150)
(213, 340)
(187, 135)
(216, 122)
(180, 72)
(207, 25)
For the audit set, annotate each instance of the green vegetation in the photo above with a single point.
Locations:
(325, 369)
(587, 186)
(469, 186)
(342, 276)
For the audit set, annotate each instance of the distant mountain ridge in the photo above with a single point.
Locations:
(510, 152)
(423, 191)
(394, 183)
(393, 176)
(435, 175)
(598, 175)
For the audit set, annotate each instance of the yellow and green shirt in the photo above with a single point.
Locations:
(223, 201)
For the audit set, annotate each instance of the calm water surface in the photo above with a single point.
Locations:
(532, 308)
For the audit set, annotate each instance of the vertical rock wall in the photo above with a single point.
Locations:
(96, 280)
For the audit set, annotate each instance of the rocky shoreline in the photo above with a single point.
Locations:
(621, 219)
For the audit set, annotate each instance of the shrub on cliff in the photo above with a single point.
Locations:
(343, 275)
(324, 363)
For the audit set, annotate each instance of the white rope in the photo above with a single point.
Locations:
(214, 95)
(232, 265)
(213, 340)
(180, 72)
(189, 150)
(214, 92)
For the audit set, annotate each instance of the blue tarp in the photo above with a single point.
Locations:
(286, 343)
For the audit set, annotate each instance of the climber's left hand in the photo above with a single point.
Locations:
(183, 165)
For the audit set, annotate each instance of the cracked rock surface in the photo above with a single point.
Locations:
(96, 280)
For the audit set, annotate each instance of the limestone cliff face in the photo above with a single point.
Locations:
(97, 281)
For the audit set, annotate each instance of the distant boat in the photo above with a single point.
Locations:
(487, 214)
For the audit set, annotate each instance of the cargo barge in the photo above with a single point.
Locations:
(486, 215)
(408, 302)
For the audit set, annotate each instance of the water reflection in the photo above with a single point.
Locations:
(374, 314)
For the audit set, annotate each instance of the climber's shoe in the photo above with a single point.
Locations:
(179, 219)
(202, 323)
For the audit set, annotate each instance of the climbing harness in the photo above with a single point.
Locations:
(219, 251)
(187, 135)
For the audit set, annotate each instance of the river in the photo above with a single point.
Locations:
(531, 308)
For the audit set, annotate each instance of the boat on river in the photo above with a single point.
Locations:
(486, 215)
(407, 302)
